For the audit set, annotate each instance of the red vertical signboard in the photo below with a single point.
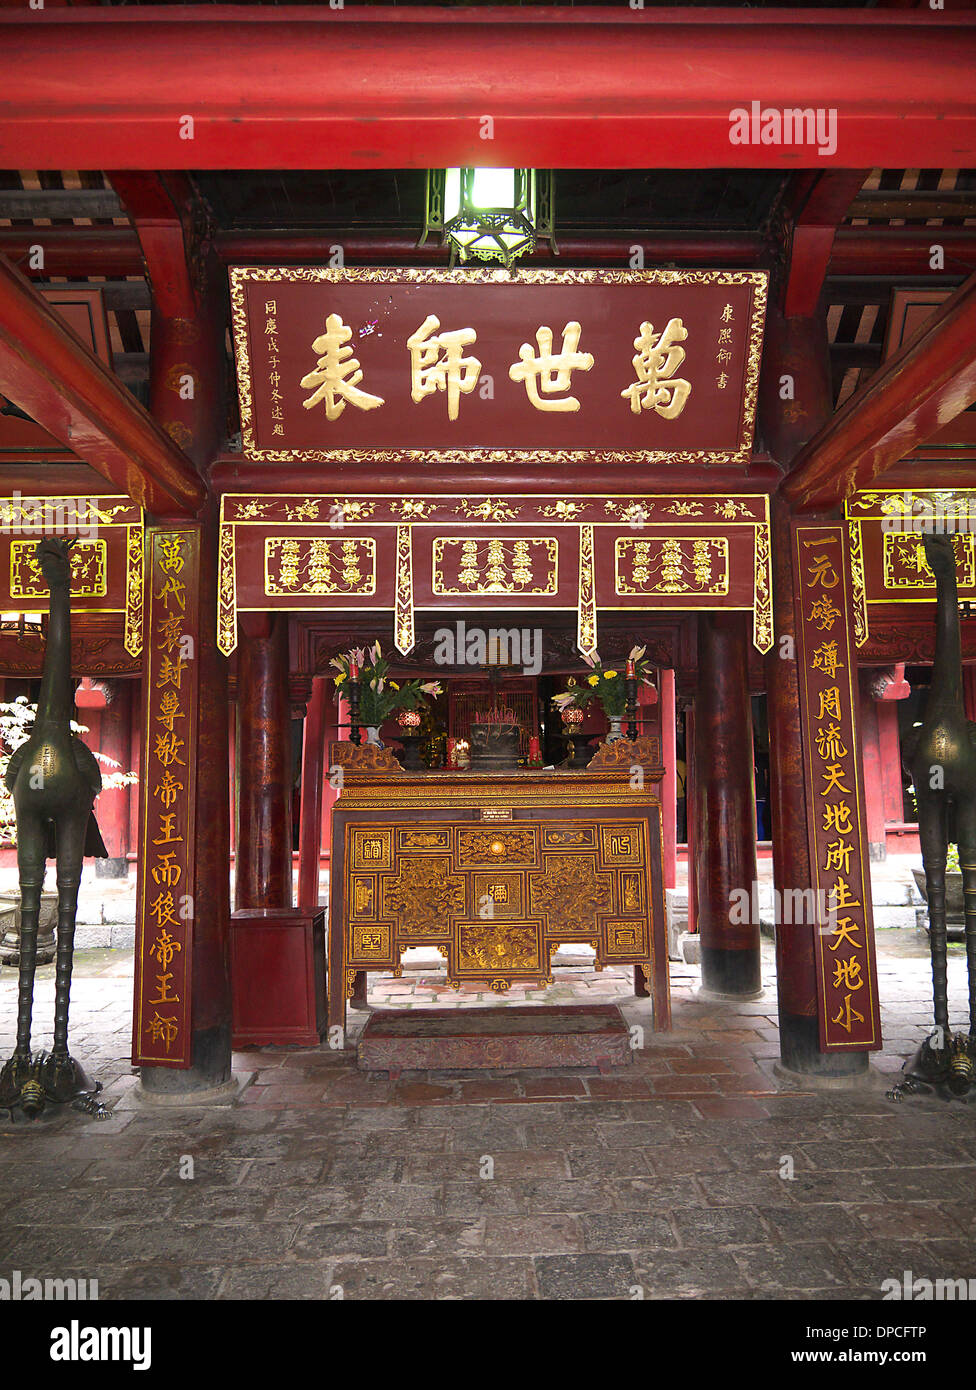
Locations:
(164, 921)
(847, 985)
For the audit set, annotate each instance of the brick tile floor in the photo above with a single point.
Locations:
(696, 1173)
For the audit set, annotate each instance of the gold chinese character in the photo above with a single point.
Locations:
(838, 856)
(840, 895)
(162, 985)
(164, 948)
(819, 571)
(168, 834)
(164, 910)
(824, 614)
(833, 775)
(829, 743)
(844, 1015)
(437, 364)
(830, 703)
(170, 672)
(171, 554)
(166, 871)
(826, 659)
(658, 358)
(847, 974)
(170, 632)
(164, 1030)
(727, 313)
(338, 373)
(846, 927)
(177, 589)
(169, 709)
(168, 749)
(168, 789)
(838, 817)
(550, 372)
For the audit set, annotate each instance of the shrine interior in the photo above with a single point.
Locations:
(482, 574)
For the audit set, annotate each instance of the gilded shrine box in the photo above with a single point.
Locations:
(496, 872)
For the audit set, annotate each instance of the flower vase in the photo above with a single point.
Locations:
(616, 722)
(373, 735)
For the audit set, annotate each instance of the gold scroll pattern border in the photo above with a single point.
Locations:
(858, 589)
(404, 634)
(19, 559)
(742, 453)
(586, 633)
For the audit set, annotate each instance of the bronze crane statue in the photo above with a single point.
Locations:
(942, 760)
(53, 779)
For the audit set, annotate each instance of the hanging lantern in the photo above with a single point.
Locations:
(490, 214)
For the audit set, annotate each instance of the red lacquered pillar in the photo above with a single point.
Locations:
(725, 810)
(264, 805)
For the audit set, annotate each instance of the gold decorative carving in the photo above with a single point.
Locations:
(586, 635)
(564, 510)
(497, 565)
(425, 839)
(372, 849)
(570, 893)
(740, 454)
(477, 847)
(319, 566)
(668, 565)
(371, 942)
(487, 510)
(364, 757)
(905, 565)
(226, 587)
(625, 753)
(489, 946)
(88, 558)
(498, 894)
(625, 939)
(424, 896)
(363, 897)
(622, 844)
(762, 601)
(859, 603)
(134, 585)
(404, 634)
(350, 983)
(567, 839)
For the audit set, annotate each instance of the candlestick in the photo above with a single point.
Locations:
(354, 735)
(630, 686)
(630, 671)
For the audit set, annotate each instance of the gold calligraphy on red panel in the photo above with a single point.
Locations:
(161, 1027)
(846, 973)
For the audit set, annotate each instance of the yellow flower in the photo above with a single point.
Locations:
(594, 680)
(394, 685)
(609, 675)
(340, 679)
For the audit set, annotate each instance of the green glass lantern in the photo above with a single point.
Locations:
(490, 214)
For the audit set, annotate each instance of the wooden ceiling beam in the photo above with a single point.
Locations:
(917, 392)
(286, 87)
(47, 370)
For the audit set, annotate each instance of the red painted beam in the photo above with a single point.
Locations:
(47, 370)
(115, 251)
(910, 399)
(288, 87)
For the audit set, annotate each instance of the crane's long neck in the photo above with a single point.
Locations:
(947, 665)
(56, 700)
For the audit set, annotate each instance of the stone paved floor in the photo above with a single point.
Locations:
(667, 1176)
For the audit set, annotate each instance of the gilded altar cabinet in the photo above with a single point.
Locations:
(496, 871)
